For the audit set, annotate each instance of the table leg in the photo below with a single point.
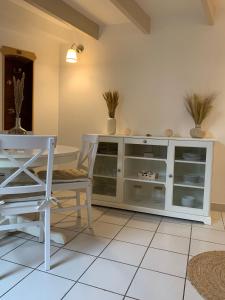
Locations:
(56, 237)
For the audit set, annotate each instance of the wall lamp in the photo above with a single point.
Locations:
(71, 56)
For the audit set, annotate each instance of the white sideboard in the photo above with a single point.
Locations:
(180, 169)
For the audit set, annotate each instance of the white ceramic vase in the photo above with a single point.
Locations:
(111, 126)
(197, 132)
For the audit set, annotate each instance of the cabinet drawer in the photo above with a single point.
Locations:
(110, 139)
(146, 141)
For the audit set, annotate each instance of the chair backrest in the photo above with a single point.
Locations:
(22, 153)
(88, 152)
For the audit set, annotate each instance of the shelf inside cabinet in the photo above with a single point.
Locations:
(106, 166)
(107, 148)
(160, 180)
(104, 176)
(132, 167)
(190, 154)
(144, 195)
(145, 158)
(148, 203)
(189, 162)
(188, 197)
(146, 151)
(105, 186)
(189, 175)
(183, 184)
(106, 155)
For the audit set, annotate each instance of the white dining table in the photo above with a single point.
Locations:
(62, 155)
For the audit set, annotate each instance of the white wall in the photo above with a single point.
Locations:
(23, 30)
(152, 73)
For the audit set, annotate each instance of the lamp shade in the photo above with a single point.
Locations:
(71, 56)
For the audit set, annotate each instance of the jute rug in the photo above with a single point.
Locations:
(206, 272)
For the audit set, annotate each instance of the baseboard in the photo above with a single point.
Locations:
(218, 206)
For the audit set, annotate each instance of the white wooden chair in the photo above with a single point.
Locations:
(34, 196)
(78, 179)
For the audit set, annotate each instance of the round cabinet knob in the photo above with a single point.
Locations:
(170, 175)
(118, 170)
(145, 141)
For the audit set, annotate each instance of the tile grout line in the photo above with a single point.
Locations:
(76, 251)
(79, 232)
(95, 259)
(28, 273)
(33, 269)
(138, 268)
(189, 248)
(6, 253)
(17, 283)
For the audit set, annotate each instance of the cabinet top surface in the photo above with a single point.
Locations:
(158, 137)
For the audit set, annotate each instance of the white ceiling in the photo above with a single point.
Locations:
(100, 11)
(104, 12)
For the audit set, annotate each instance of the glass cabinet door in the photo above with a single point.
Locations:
(106, 170)
(187, 177)
(145, 163)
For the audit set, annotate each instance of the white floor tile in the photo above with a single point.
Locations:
(217, 222)
(114, 218)
(30, 254)
(191, 293)
(208, 235)
(112, 276)
(69, 264)
(165, 261)
(11, 274)
(66, 236)
(171, 243)
(136, 236)
(9, 243)
(72, 223)
(85, 292)
(124, 252)
(88, 244)
(143, 221)
(39, 285)
(175, 229)
(23, 235)
(36, 239)
(153, 285)
(55, 217)
(103, 229)
(201, 246)
(96, 212)
(121, 211)
(176, 220)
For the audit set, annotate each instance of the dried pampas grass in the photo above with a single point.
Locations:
(18, 93)
(112, 101)
(199, 106)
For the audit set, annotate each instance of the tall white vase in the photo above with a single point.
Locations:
(111, 126)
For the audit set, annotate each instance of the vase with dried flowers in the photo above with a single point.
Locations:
(112, 101)
(199, 107)
(18, 85)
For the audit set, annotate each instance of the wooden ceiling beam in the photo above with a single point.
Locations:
(134, 13)
(66, 13)
(209, 7)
